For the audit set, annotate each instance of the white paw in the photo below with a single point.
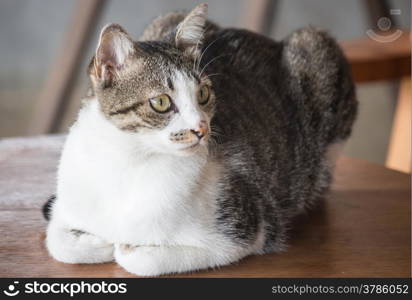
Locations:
(75, 248)
(142, 260)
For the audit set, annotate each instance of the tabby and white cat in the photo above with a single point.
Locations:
(198, 146)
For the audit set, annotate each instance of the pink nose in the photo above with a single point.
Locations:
(202, 130)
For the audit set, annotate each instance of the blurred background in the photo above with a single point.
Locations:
(46, 45)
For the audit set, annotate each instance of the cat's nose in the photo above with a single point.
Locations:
(201, 131)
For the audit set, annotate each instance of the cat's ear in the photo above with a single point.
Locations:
(189, 33)
(114, 48)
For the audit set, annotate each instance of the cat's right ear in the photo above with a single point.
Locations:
(114, 48)
(189, 33)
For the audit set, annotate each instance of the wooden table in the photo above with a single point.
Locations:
(362, 229)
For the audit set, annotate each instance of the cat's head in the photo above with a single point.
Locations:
(153, 89)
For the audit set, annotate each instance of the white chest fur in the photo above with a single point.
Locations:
(109, 186)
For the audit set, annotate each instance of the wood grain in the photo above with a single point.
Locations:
(361, 229)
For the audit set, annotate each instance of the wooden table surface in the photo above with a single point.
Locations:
(362, 229)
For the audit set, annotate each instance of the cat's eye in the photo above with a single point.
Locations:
(161, 104)
(204, 95)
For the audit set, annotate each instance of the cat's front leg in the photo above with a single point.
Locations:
(158, 260)
(74, 246)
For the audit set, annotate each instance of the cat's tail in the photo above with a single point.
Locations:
(47, 207)
(322, 76)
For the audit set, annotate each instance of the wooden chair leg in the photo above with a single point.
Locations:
(50, 104)
(399, 151)
(258, 15)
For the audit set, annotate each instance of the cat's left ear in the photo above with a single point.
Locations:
(189, 33)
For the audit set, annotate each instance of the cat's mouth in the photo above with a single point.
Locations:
(192, 147)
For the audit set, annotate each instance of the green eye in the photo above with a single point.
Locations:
(204, 95)
(161, 104)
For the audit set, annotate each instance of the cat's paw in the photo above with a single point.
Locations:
(76, 247)
(142, 260)
(158, 260)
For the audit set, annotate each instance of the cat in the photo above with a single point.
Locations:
(198, 145)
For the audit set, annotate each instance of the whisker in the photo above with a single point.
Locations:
(204, 67)
(214, 132)
(214, 74)
(204, 51)
(197, 45)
